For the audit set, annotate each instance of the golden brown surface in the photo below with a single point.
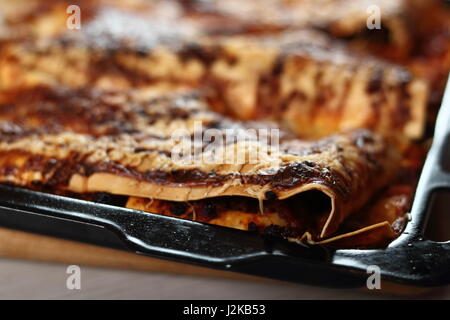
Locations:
(313, 83)
(87, 141)
(380, 221)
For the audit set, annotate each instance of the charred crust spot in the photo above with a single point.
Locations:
(138, 150)
(178, 209)
(270, 195)
(193, 51)
(364, 139)
(183, 176)
(292, 175)
(278, 67)
(310, 164)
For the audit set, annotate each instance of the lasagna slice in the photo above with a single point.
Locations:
(411, 32)
(86, 141)
(314, 84)
(389, 28)
(375, 225)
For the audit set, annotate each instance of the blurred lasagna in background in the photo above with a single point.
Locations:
(91, 112)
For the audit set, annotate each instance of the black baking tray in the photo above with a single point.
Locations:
(412, 259)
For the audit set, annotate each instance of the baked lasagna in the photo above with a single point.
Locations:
(271, 116)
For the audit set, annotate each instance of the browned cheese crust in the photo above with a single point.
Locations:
(375, 225)
(87, 141)
(304, 78)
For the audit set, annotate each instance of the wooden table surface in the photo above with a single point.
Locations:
(39, 280)
(34, 267)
